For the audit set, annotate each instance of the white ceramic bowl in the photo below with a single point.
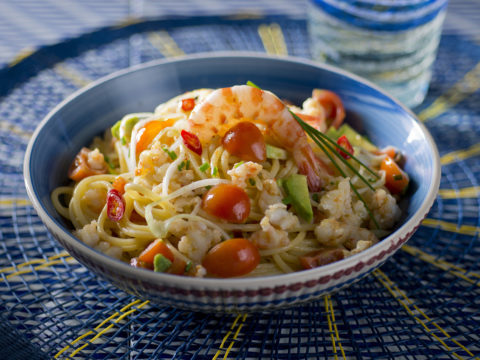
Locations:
(88, 112)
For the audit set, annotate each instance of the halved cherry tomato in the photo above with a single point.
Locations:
(332, 104)
(228, 202)
(395, 154)
(246, 141)
(192, 142)
(178, 266)
(320, 258)
(157, 246)
(344, 143)
(396, 180)
(233, 257)
(81, 169)
(188, 104)
(147, 133)
(115, 205)
(389, 150)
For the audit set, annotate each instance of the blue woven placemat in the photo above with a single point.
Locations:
(424, 303)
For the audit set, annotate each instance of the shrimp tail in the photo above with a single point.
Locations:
(310, 166)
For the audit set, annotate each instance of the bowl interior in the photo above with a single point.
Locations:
(75, 122)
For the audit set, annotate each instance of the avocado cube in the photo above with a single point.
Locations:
(296, 188)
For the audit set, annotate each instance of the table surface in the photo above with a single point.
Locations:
(424, 303)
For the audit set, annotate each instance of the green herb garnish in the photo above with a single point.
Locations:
(249, 83)
(171, 154)
(215, 171)
(204, 167)
(181, 166)
(251, 181)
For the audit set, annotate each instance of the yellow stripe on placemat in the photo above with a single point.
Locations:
(41, 263)
(165, 44)
(72, 75)
(11, 128)
(469, 84)
(469, 192)
(332, 327)
(460, 155)
(416, 313)
(273, 39)
(442, 264)
(452, 227)
(15, 201)
(101, 329)
(240, 320)
(38, 267)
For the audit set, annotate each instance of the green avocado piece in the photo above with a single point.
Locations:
(274, 152)
(296, 188)
(116, 129)
(127, 127)
(332, 133)
(352, 135)
(161, 263)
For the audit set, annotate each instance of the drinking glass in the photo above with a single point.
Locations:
(393, 43)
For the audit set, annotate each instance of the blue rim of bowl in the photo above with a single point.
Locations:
(218, 284)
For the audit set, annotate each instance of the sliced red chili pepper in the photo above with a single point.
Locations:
(344, 143)
(192, 142)
(188, 104)
(115, 205)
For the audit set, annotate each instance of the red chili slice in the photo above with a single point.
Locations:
(188, 104)
(344, 143)
(115, 205)
(192, 142)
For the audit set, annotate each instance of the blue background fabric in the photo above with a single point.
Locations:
(424, 303)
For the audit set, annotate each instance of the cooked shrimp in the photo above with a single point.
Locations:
(226, 107)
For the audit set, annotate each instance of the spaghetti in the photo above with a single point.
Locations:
(226, 183)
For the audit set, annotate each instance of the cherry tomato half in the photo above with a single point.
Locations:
(157, 246)
(227, 201)
(396, 180)
(246, 141)
(233, 257)
(147, 133)
(188, 104)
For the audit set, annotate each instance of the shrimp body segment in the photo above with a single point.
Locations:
(226, 107)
